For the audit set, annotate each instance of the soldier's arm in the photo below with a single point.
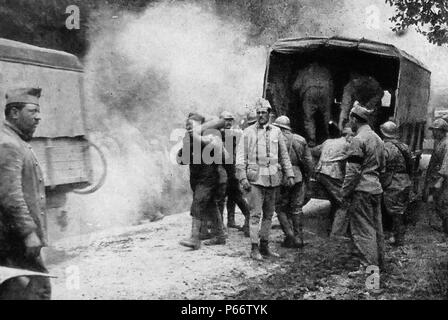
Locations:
(353, 168)
(183, 155)
(317, 150)
(12, 201)
(443, 172)
(383, 174)
(283, 157)
(307, 161)
(346, 104)
(241, 157)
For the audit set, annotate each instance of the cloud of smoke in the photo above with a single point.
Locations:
(144, 74)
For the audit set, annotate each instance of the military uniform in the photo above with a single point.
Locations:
(314, 85)
(290, 200)
(261, 156)
(367, 91)
(396, 184)
(233, 191)
(362, 192)
(330, 172)
(437, 169)
(207, 182)
(22, 210)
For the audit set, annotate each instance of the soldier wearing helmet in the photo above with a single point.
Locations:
(396, 181)
(291, 199)
(436, 184)
(234, 194)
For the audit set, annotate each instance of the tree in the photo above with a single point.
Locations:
(429, 17)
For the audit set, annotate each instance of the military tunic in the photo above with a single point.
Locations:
(396, 180)
(22, 209)
(438, 168)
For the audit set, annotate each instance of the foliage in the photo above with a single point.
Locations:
(429, 17)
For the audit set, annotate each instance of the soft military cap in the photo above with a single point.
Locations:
(226, 115)
(263, 105)
(360, 111)
(196, 116)
(23, 95)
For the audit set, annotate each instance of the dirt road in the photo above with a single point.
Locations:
(146, 262)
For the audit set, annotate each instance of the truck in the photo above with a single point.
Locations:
(405, 80)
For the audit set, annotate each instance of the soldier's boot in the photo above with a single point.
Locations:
(245, 228)
(218, 232)
(255, 252)
(265, 251)
(204, 232)
(297, 221)
(290, 240)
(194, 241)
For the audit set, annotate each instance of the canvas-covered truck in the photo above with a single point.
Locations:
(61, 142)
(404, 79)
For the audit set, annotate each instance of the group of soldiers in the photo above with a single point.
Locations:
(366, 178)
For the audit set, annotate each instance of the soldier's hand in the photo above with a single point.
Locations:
(290, 182)
(32, 245)
(246, 185)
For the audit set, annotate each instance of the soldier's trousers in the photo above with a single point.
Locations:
(395, 204)
(262, 206)
(205, 205)
(316, 99)
(290, 201)
(366, 227)
(441, 204)
(38, 288)
(235, 196)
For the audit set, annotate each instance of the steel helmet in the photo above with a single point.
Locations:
(439, 124)
(282, 122)
(226, 115)
(389, 129)
(251, 117)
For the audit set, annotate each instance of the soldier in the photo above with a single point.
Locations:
(259, 151)
(361, 190)
(330, 173)
(234, 193)
(436, 184)
(22, 197)
(314, 85)
(205, 181)
(292, 199)
(367, 91)
(396, 181)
